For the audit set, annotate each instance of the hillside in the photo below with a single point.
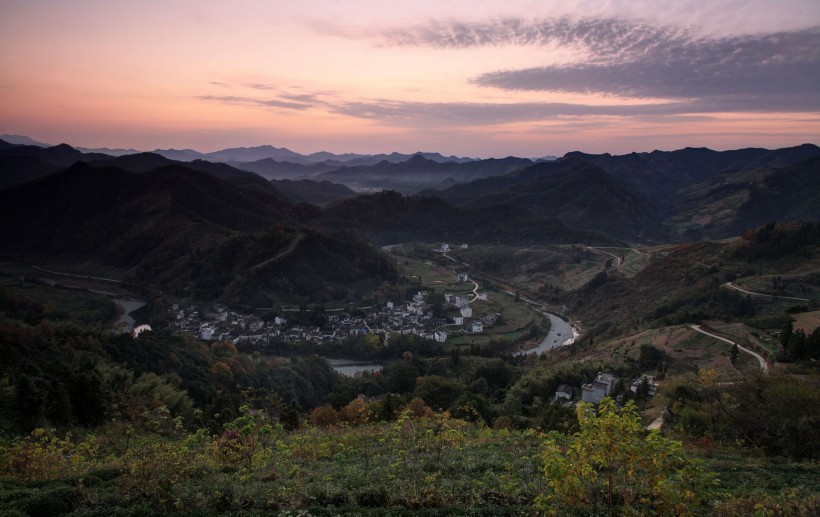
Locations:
(319, 193)
(21, 163)
(182, 229)
(654, 197)
(582, 196)
(388, 218)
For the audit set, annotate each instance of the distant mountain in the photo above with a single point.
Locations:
(693, 192)
(21, 163)
(319, 193)
(582, 196)
(24, 163)
(660, 174)
(107, 151)
(388, 217)
(734, 201)
(272, 169)
(181, 155)
(22, 140)
(419, 173)
(252, 154)
(190, 232)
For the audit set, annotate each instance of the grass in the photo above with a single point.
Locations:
(807, 321)
(63, 298)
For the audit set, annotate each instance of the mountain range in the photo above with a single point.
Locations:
(222, 231)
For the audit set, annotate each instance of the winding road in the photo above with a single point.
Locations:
(763, 365)
(732, 285)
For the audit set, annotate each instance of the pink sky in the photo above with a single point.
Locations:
(472, 78)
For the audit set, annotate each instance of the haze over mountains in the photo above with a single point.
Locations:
(687, 194)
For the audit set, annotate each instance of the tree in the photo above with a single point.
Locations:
(611, 467)
(735, 352)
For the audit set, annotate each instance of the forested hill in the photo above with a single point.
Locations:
(660, 196)
(185, 230)
(388, 217)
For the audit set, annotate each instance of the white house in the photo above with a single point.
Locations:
(462, 278)
(440, 336)
(478, 327)
(389, 306)
(444, 247)
(207, 333)
(458, 320)
(482, 297)
(653, 386)
(467, 312)
(596, 390)
(461, 302)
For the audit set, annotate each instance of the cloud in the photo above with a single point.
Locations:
(248, 101)
(602, 38)
(260, 86)
(781, 71)
(467, 113)
(761, 72)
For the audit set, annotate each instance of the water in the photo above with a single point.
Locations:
(351, 367)
(561, 333)
(126, 322)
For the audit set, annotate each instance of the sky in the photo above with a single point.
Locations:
(472, 78)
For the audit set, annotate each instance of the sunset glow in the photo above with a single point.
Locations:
(472, 78)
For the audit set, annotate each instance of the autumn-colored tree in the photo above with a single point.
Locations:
(324, 416)
(611, 467)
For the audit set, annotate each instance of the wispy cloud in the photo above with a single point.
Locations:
(761, 72)
(781, 71)
(249, 101)
(467, 113)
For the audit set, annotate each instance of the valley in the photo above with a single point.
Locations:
(320, 349)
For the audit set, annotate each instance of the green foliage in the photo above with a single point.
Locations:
(610, 466)
(774, 413)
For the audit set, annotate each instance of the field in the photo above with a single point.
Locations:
(435, 275)
(686, 349)
(808, 322)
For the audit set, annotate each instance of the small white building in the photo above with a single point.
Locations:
(389, 306)
(460, 301)
(207, 333)
(564, 393)
(463, 278)
(482, 297)
(478, 327)
(279, 321)
(467, 312)
(596, 390)
(444, 247)
(458, 320)
(448, 298)
(440, 336)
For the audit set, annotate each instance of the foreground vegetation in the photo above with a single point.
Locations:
(97, 423)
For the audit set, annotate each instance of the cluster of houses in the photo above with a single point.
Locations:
(415, 317)
(602, 386)
(445, 247)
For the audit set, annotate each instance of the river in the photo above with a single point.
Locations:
(125, 321)
(351, 367)
(561, 333)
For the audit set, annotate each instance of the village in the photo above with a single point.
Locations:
(416, 316)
